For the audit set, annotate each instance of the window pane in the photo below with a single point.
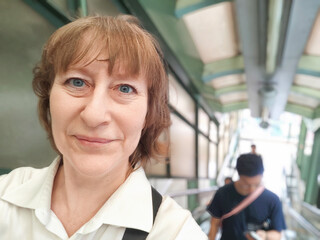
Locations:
(181, 100)
(156, 168)
(203, 156)
(213, 132)
(182, 159)
(203, 121)
(212, 161)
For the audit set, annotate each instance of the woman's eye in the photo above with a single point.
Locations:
(76, 82)
(125, 89)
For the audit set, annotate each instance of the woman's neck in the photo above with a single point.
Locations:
(77, 198)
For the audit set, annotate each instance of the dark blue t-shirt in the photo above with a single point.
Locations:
(265, 209)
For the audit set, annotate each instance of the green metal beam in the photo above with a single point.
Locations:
(83, 8)
(229, 66)
(226, 90)
(300, 110)
(77, 8)
(52, 14)
(305, 167)
(231, 89)
(217, 106)
(187, 6)
(316, 113)
(312, 185)
(172, 30)
(309, 65)
(309, 92)
(301, 144)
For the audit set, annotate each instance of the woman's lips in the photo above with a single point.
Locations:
(93, 142)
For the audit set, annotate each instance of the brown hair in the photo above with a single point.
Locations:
(128, 44)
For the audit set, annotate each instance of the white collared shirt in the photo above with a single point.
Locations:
(25, 210)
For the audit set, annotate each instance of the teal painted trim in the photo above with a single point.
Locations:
(307, 91)
(52, 14)
(210, 77)
(223, 67)
(4, 171)
(179, 13)
(309, 62)
(217, 106)
(308, 72)
(231, 89)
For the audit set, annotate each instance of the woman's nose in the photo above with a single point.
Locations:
(96, 111)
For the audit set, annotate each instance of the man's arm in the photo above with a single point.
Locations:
(215, 224)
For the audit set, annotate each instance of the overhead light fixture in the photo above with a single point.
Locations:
(267, 94)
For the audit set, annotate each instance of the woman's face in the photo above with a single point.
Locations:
(97, 119)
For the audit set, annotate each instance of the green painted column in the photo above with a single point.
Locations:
(312, 186)
(305, 167)
(301, 144)
(192, 199)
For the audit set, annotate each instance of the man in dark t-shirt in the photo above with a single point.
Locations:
(263, 216)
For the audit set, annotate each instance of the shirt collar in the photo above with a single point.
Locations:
(130, 206)
(34, 193)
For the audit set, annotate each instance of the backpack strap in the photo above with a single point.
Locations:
(135, 234)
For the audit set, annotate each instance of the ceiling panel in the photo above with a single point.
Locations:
(313, 46)
(233, 97)
(307, 81)
(303, 100)
(213, 31)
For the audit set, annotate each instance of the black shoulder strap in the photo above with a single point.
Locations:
(135, 234)
(156, 202)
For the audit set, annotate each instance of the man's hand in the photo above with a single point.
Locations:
(266, 235)
(254, 236)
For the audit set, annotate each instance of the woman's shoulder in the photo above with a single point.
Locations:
(16, 178)
(174, 222)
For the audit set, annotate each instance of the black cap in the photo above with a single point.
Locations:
(249, 165)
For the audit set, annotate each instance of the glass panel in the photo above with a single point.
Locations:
(203, 121)
(156, 168)
(212, 166)
(226, 141)
(220, 152)
(182, 159)
(170, 187)
(181, 100)
(203, 156)
(213, 132)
